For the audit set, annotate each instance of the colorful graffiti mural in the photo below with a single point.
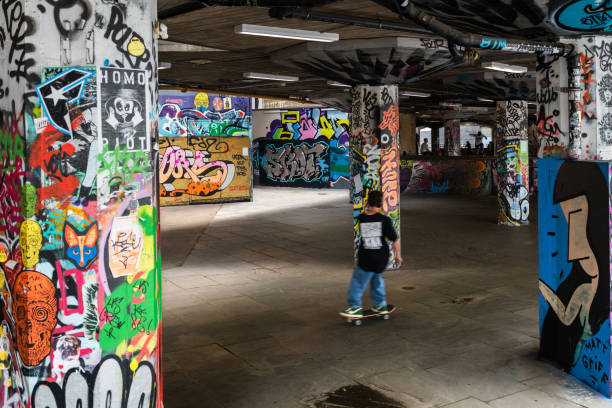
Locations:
(204, 169)
(375, 161)
(304, 148)
(574, 245)
(469, 176)
(512, 163)
(194, 114)
(76, 152)
(205, 148)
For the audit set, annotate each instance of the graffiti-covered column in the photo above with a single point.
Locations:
(79, 275)
(375, 159)
(512, 163)
(552, 106)
(452, 137)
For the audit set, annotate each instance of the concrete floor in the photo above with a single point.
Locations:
(251, 293)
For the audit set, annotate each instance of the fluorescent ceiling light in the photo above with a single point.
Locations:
(417, 94)
(334, 83)
(498, 66)
(174, 46)
(270, 77)
(200, 61)
(164, 65)
(278, 32)
(485, 100)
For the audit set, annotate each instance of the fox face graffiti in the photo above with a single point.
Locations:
(81, 247)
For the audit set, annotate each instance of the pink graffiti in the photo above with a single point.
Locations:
(176, 165)
(63, 301)
(307, 128)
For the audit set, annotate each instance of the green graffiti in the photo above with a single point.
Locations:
(147, 217)
(130, 310)
(28, 201)
(122, 164)
(11, 147)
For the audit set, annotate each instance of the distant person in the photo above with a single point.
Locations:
(372, 258)
(404, 155)
(468, 147)
(425, 147)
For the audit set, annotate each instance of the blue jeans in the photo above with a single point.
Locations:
(359, 282)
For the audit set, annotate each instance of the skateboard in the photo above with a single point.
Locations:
(369, 313)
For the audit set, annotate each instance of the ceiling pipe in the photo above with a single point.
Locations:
(267, 3)
(408, 9)
(306, 14)
(197, 5)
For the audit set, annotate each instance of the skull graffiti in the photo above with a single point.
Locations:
(30, 240)
(35, 311)
(124, 112)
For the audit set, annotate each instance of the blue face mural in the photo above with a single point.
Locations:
(574, 284)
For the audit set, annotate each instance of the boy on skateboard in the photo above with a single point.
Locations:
(372, 258)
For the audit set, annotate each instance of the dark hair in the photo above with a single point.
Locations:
(558, 341)
(375, 198)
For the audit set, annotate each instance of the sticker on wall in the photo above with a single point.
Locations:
(123, 108)
(125, 245)
(60, 91)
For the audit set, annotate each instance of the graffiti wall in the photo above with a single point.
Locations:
(302, 148)
(469, 176)
(552, 114)
(79, 277)
(574, 256)
(512, 163)
(205, 148)
(586, 132)
(204, 169)
(375, 154)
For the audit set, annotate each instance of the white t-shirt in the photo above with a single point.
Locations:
(424, 147)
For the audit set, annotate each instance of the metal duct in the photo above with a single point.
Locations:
(406, 8)
(196, 5)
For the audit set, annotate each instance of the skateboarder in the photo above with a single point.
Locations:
(372, 258)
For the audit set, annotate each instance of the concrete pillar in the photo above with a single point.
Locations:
(452, 137)
(512, 163)
(574, 208)
(408, 136)
(435, 138)
(552, 106)
(79, 271)
(375, 160)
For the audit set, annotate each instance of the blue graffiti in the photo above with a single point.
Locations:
(585, 15)
(493, 43)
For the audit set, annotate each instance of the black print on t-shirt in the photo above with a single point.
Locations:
(371, 235)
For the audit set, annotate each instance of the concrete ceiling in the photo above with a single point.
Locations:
(364, 54)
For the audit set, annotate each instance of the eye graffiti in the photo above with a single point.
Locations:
(81, 247)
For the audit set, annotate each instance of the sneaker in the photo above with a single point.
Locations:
(352, 312)
(380, 309)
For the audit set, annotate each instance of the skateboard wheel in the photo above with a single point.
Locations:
(349, 320)
(358, 322)
(386, 317)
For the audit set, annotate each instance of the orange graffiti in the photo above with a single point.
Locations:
(390, 120)
(389, 174)
(35, 310)
(587, 75)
